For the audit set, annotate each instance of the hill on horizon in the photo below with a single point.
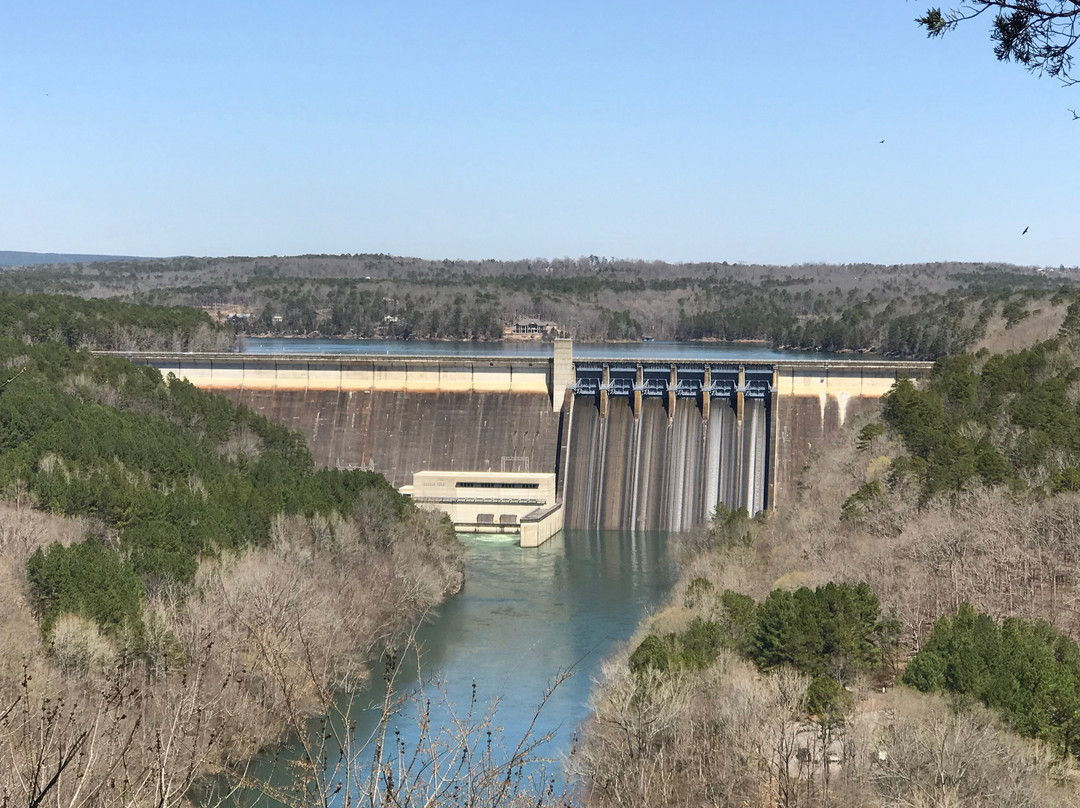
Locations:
(15, 258)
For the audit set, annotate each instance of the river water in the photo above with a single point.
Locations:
(524, 616)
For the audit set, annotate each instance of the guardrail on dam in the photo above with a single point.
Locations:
(636, 443)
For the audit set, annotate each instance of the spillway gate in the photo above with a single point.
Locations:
(660, 445)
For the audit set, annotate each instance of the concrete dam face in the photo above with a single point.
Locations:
(400, 433)
(663, 471)
(635, 445)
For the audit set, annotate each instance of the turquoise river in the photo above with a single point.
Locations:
(523, 617)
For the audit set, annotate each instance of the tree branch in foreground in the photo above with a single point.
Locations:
(1038, 35)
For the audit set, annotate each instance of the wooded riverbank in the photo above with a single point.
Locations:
(776, 674)
(180, 586)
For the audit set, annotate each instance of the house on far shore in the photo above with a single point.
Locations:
(533, 328)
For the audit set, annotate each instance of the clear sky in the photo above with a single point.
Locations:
(458, 129)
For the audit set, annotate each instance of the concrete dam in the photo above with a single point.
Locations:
(634, 444)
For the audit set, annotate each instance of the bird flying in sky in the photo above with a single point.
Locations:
(1025, 231)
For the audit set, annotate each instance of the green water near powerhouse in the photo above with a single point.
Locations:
(524, 616)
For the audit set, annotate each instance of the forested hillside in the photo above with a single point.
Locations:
(179, 585)
(922, 310)
(174, 473)
(1028, 671)
(1009, 419)
(177, 580)
(930, 552)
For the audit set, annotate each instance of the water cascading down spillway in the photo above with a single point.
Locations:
(666, 459)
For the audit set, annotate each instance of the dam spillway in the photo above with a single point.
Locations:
(651, 444)
(663, 471)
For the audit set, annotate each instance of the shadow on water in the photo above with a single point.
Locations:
(524, 617)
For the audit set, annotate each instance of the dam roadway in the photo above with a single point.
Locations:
(648, 443)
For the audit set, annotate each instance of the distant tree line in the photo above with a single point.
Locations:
(108, 324)
(790, 313)
(923, 311)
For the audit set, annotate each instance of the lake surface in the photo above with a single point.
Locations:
(524, 616)
(530, 350)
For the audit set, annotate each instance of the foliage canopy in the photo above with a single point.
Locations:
(836, 630)
(1015, 414)
(1026, 670)
(1036, 34)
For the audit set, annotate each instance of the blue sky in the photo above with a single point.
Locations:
(680, 131)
